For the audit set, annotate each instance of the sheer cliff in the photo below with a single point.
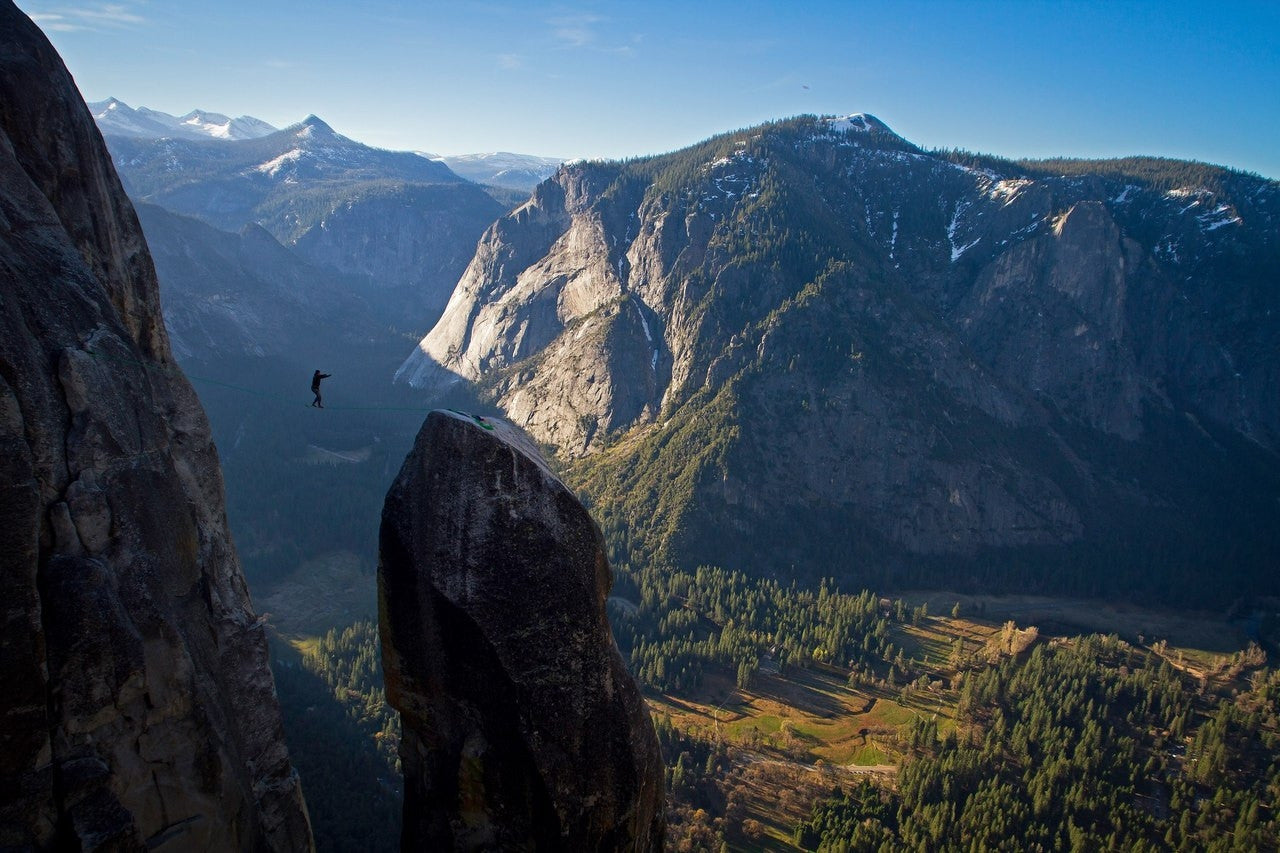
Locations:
(812, 347)
(522, 728)
(139, 711)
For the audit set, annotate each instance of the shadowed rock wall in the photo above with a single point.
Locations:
(522, 728)
(138, 708)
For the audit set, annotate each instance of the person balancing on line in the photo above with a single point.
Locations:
(315, 387)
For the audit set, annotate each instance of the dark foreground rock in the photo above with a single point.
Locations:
(138, 711)
(522, 728)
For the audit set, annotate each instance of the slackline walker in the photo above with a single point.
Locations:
(315, 387)
(174, 370)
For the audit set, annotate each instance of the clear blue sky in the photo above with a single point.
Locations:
(612, 79)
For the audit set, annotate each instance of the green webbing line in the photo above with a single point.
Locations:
(479, 421)
(240, 388)
(175, 370)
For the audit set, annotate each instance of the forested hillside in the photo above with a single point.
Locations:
(345, 737)
(810, 348)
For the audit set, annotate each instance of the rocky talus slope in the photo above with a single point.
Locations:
(813, 346)
(138, 711)
(522, 728)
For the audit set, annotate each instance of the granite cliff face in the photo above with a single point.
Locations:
(812, 344)
(229, 295)
(139, 711)
(409, 242)
(522, 728)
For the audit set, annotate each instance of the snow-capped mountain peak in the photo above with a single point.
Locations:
(316, 124)
(115, 117)
(217, 125)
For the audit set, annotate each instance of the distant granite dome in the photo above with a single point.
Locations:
(502, 168)
(139, 710)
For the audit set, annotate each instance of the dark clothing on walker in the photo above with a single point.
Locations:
(315, 388)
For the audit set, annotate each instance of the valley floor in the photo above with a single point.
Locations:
(748, 766)
(791, 741)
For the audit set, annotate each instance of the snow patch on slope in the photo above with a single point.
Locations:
(957, 251)
(1214, 219)
(271, 168)
(856, 122)
(1007, 190)
(1124, 195)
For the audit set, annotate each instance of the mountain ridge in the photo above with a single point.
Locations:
(230, 295)
(496, 168)
(999, 335)
(401, 223)
(501, 168)
(116, 117)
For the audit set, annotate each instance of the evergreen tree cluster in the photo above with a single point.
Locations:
(344, 739)
(687, 622)
(1087, 745)
(350, 662)
(696, 803)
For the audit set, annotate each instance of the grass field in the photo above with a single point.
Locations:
(809, 718)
